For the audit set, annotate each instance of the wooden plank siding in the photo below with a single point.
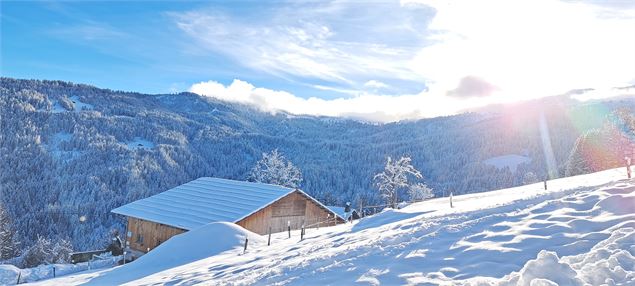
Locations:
(147, 235)
(295, 208)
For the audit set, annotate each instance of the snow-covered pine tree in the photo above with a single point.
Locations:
(577, 162)
(598, 149)
(613, 136)
(394, 177)
(8, 245)
(419, 192)
(274, 168)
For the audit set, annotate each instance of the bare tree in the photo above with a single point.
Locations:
(394, 177)
(274, 168)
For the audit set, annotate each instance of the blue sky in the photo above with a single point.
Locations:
(123, 45)
(380, 60)
(140, 46)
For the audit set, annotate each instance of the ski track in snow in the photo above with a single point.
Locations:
(582, 230)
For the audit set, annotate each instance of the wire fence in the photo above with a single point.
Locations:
(49, 271)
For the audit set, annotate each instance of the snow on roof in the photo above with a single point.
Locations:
(206, 200)
(340, 211)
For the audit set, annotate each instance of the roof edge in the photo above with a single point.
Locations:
(154, 221)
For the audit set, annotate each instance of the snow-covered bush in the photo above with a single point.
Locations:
(530, 178)
(38, 253)
(419, 192)
(44, 251)
(62, 251)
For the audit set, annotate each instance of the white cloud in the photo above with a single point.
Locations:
(516, 50)
(375, 84)
(376, 108)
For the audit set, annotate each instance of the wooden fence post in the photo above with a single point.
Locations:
(302, 233)
(19, 275)
(289, 227)
(628, 167)
(361, 209)
(269, 241)
(53, 271)
(451, 206)
(246, 241)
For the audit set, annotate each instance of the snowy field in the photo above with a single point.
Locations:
(510, 161)
(579, 232)
(140, 143)
(78, 105)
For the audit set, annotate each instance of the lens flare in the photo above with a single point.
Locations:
(547, 150)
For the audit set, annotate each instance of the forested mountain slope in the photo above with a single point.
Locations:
(70, 150)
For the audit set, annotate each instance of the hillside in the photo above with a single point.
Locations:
(581, 231)
(71, 151)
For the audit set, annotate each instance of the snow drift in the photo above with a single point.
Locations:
(8, 274)
(203, 242)
(608, 263)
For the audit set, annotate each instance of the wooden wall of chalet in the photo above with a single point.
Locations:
(148, 235)
(295, 208)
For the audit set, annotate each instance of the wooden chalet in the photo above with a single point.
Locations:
(255, 206)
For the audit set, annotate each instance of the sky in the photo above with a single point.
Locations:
(376, 60)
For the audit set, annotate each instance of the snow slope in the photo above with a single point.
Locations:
(79, 105)
(580, 231)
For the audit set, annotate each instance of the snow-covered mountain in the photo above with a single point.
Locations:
(71, 151)
(581, 231)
